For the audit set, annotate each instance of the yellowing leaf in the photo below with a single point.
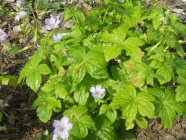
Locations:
(138, 73)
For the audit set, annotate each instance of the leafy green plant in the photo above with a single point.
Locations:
(129, 54)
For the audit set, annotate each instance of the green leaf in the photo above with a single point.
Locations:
(124, 97)
(180, 51)
(42, 98)
(165, 72)
(112, 51)
(60, 91)
(46, 103)
(170, 38)
(53, 103)
(131, 45)
(43, 113)
(141, 122)
(96, 64)
(133, 42)
(27, 69)
(166, 106)
(103, 109)
(76, 111)
(145, 107)
(77, 53)
(81, 121)
(75, 13)
(104, 130)
(77, 71)
(180, 27)
(156, 23)
(79, 130)
(34, 80)
(110, 113)
(31, 65)
(134, 18)
(117, 36)
(76, 34)
(81, 95)
(44, 69)
(92, 21)
(181, 93)
(87, 121)
(132, 103)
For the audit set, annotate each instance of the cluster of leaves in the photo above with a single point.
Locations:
(133, 51)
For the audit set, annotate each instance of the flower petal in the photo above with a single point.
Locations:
(98, 86)
(47, 27)
(56, 123)
(64, 135)
(64, 120)
(68, 126)
(54, 137)
(92, 89)
(17, 18)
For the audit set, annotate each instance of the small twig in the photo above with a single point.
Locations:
(174, 5)
(4, 112)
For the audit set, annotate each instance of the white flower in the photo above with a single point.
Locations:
(3, 35)
(97, 92)
(20, 15)
(19, 3)
(62, 128)
(58, 37)
(121, 1)
(52, 23)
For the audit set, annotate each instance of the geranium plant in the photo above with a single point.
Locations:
(117, 66)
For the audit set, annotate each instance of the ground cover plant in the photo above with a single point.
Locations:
(114, 67)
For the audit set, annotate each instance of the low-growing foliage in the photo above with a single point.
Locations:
(117, 65)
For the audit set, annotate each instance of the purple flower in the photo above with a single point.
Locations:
(62, 128)
(58, 37)
(97, 92)
(3, 35)
(52, 23)
(20, 15)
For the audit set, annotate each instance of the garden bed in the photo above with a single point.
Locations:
(20, 121)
